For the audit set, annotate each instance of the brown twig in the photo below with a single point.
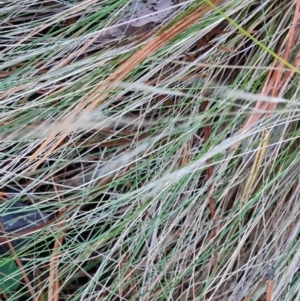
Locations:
(39, 286)
(270, 274)
(273, 85)
(53, 292)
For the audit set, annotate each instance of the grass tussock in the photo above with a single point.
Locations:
(163, 159)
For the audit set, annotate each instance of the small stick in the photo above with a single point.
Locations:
(270, 274)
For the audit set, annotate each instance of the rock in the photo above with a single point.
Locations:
(17, 217)
(139, 16)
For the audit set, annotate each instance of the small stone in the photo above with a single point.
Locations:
(19, 217)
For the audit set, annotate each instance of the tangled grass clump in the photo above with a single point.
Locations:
(161, 157)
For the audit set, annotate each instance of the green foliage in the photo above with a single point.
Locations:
(10, 276)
